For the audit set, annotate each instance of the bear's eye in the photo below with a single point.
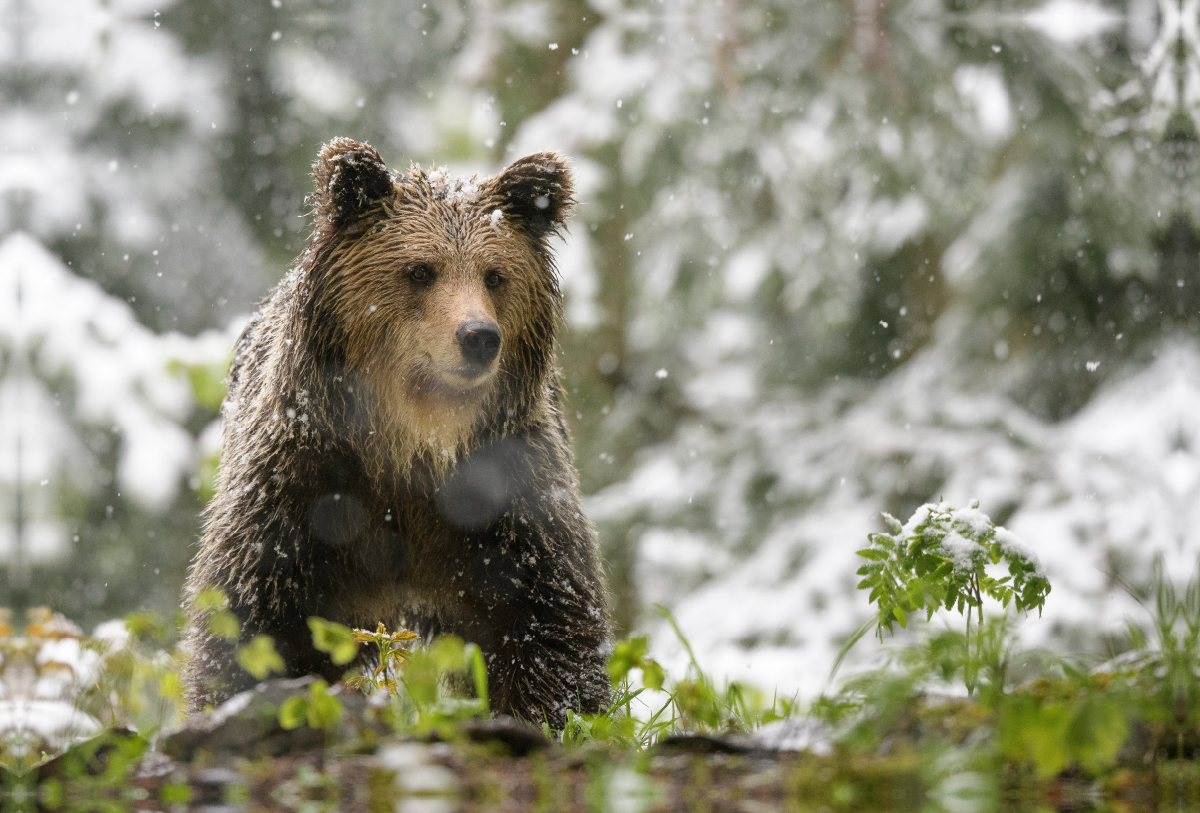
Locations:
(492, 279)
(420, 273)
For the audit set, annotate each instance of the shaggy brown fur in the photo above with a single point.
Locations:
(372, 472)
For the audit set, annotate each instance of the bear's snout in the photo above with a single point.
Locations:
(479, 342)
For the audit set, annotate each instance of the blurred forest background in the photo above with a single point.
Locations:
(831, 259)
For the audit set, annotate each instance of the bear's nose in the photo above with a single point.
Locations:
(480, 342)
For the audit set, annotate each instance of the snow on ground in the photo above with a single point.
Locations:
(41, 674)
(1100, 494)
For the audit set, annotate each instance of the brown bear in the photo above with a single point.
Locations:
(394, 445)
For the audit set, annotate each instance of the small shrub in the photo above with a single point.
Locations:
(941, 559)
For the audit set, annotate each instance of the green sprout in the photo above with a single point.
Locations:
(392, 652)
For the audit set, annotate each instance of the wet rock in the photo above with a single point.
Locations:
(698, 744)
(790, 735)
(247, 725)
(93, 757)
(518, 737)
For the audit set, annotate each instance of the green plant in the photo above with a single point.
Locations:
(133, 680)
(259, 657)
(334, 639)
(448, 656)
(941, 559)
(207, 383)
(618, 724)
(391, 651)
(220, 620)
(1163, 669)
(318, 708)
(93, 775)
(1077, 719)
(630, 654)
(437, 686)
(693, 703)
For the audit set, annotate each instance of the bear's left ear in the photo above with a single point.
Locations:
(536, 192)
(350, 177)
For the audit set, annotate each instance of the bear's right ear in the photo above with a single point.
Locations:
(537, 191)
(350, 178)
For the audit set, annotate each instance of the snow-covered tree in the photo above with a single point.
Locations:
(107, 224)
(870, 254)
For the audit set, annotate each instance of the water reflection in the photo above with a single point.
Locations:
(419, 778)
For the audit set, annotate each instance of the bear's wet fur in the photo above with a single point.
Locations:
(394, 445)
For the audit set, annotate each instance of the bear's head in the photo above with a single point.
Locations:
(437, 293)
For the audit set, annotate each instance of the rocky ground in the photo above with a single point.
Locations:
(239, 757)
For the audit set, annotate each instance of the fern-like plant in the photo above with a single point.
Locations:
(941, 558)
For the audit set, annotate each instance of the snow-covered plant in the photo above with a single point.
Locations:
(945, 558)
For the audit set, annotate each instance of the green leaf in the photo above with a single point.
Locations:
(175, 793)
(873, 554)
(1047, 742)
(324, 710)
(334, 639)
(478, 673)
(652, 674)
(421, 680)
(627, 655)
(916, 593)
(449, 654)
(207, 381)
(1098, 731)
(212, 598)
(1035, 732)
(259, 657)
(224, 624)
(935, 593)
(294, 712)
(900, 616)
(145, 624)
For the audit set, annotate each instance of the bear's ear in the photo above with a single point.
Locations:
(536, 192)
(350, 177)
